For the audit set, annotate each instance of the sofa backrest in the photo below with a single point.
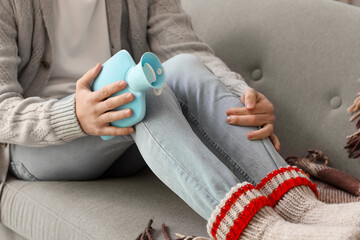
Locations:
(303, 55)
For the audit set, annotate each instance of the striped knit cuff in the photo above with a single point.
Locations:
(64, 121)
(235, 211)
(280, 181)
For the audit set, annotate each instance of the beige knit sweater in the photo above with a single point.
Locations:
(26, 37)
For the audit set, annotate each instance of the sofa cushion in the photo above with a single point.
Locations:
(103, 209)
(8, 234)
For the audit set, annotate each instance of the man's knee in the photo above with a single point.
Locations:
(184, 61)
(186, 71)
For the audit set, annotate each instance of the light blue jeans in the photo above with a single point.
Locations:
(184, 139)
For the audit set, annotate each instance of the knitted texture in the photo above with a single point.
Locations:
(299, 205)
(27, 120)
(280, 181)
(330, 194)
(235, 211)
(268, 225)
(245, 214)
(170, 33)
(294, 197)
(26, 35)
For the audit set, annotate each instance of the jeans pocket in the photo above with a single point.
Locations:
(19, 170)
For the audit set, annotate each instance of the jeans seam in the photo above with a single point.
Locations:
(27, 176)
(196, 123)
(270, 154)
(184, 171)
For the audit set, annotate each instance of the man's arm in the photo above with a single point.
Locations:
(32, 121)
(170, 33)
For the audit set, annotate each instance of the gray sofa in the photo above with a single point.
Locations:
(303, 54)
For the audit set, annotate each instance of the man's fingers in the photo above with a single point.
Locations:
(260, 108)
(275, 141)
(262, 133)
(114, 102)
(238, 111)
(109, 90)
(250, 98)
(266, 131)
(250, 120)
(115, 131)
(85, 81)
(113, 116)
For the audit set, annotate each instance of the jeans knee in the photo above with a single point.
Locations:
(185, 72)
(182, 66)
(185, 60)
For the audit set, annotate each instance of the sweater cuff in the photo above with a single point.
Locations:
(64, 121)
(239, 89)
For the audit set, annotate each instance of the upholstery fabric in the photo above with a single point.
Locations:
(96, 209)
(303, 55)
(7, 234)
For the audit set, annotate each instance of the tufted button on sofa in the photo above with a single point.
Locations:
(302, 54)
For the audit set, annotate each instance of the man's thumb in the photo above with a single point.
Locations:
(85, 81)
(250, 98)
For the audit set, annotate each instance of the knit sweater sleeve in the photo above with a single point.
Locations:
(170, 33)
(32, 121)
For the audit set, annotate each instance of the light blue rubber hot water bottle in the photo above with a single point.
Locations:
(148, 73)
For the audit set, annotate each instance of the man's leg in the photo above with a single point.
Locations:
(167, 143)
(204, 101)
(178, 157)
(85, 158)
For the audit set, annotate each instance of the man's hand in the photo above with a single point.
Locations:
(93, 108)
(258, 111)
